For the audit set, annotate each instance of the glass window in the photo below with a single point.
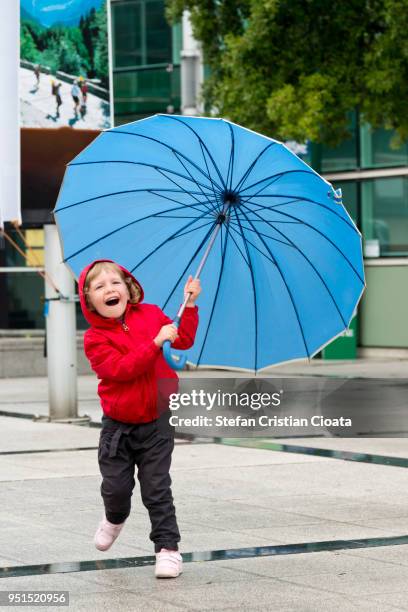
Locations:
(177, 36)
(342, 157)
(21, 299)
(127, 34)
(22, 293)
(158, 34)
(147, 91)
(141, 34)
(385, 216)
(376, 150)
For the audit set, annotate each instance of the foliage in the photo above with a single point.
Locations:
(28, 48)
(101, 58)
(295, 68)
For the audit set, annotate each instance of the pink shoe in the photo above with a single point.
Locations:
(169, 564)
(106, 534)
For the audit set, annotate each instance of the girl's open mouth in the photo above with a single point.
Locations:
(112, 302)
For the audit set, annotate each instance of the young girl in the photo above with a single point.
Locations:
(123, 346)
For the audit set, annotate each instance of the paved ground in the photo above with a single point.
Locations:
(38, 106)
(249, 504)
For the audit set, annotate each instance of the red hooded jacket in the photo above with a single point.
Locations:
(125, 358)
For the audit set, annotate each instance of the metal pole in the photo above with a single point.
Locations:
(214, 235)
(192, 70)
(179, 363)
(61, 332)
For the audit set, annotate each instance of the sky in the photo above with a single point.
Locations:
(49, 12)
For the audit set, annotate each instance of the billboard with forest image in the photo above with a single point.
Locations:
(64, 67)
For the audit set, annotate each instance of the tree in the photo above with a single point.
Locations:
(294, 69)
(62, 55)
(101, 55)
(89, 28)
(28, 50)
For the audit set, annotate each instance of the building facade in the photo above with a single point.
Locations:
(146, 60)
(374, 179)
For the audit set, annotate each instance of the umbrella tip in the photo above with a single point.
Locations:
(336, 194)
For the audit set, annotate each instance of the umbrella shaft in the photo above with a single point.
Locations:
(204, 259)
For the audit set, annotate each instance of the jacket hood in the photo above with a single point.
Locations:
(91, 316)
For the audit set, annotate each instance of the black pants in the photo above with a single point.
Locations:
(149, 446)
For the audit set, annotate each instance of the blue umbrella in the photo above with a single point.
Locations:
(279, 257)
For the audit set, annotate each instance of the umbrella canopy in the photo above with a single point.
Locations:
(285, 271)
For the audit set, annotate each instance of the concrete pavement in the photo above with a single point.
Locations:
(251, 505)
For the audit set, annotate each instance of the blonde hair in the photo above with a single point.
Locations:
(132, 287)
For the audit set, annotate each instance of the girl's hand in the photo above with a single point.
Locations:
(193, 287)
(167, 332)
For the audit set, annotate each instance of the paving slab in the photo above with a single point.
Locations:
(384, 579)
(393, 447)
(255, 593)
(393, 555)
(310, 564)
(326, 531)
(25, 435)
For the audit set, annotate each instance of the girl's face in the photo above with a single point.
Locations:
(108, 294)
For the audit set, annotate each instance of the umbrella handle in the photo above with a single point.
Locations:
(180, 361)
(175, 364)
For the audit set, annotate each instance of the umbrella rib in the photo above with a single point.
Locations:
(189, 264)
(253, 245)
(116, 131)
(302, 199)
(173, 181)
(160, 216)
(250, 168)
(236, 244)
(297, 199)
(258, 233)
(279, 175)
(293, 201)
(115, 193)
(195, 229)
(189, 205)
(275, 178)
(204, 145)
(275, 221)
(311, 264)
(231, 159)
(208, 170)
(321, 234)
(251, 270)
(134, 163)
(186, 169)
(287, 289)
(118, 229)
(172, 237)
(215, 297)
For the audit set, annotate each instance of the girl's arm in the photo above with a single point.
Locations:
(187, 328)
(110, 363)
